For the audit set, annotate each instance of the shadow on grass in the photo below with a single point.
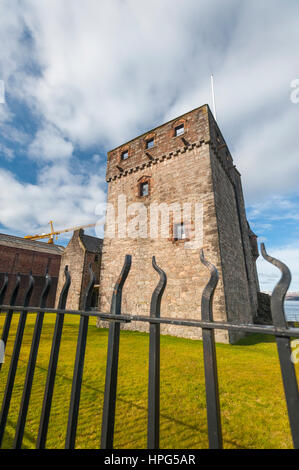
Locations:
(9, 436)
(254, 338)
(198, 429)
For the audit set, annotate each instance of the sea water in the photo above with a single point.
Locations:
(291, 308)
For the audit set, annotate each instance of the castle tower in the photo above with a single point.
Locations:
(171, 192)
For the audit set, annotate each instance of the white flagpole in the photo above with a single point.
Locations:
(213, 98)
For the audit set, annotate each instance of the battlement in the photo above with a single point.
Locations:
(158, 143)
(192, 129)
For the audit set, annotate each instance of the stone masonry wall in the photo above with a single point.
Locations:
(182, 175)
(232, 257)
(228, 173)
(73, 257)
(253, 282)
(186, 275)
(193, 168)
(95, 261)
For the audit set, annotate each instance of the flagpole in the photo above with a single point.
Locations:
(213, 98)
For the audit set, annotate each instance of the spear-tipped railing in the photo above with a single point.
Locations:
(280, 329)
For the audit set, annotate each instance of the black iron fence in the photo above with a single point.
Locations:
(280, 329)
(39, 282)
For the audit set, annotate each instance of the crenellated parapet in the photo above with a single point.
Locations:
(170, 140)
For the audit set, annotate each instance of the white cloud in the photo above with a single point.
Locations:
(267, 156)
(14, 51)
(60, 195)
(99, 73)
(49, 145)
(5, 114)
(110, 68)
(269, 275)
(113, 67)
(7, 152)
(96, 158)
(274, 208)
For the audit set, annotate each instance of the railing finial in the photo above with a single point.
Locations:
(208, 292)
(159, 290)
(65, 289)
(117, 291)
(280, 290)
(29, 291)
(89, 289)
(46, 290)
(3, 288)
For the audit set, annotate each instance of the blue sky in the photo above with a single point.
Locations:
(80, 80)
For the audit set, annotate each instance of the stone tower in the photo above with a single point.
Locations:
(171, 192)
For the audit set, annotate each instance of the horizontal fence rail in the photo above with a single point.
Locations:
(280, 329)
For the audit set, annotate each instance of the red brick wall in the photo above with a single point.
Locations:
(18, 260)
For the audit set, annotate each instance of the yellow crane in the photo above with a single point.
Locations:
(54, 233)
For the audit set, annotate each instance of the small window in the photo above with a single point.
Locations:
(149, 143)
(125, 155)
(96, 258)
(144, 189)
(179, 231)
(179, 130)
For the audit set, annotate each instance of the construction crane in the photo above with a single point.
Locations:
(55, 233)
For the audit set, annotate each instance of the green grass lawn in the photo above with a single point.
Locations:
(253, 408)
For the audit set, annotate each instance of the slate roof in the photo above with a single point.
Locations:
(33, 245)
(92, 244)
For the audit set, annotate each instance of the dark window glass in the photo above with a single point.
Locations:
(149, 143)
(179, 231)
(179, 130)
(125, 155)
(144, 189)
